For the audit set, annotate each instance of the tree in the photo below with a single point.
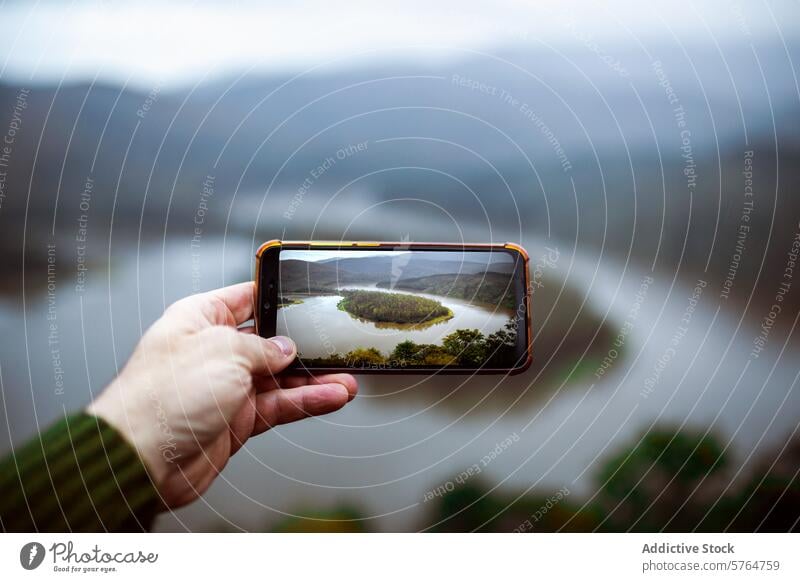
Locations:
(501, 347)
(467, 345)
(392, 307)
(657, 482)
(365, 357)
(405, 352)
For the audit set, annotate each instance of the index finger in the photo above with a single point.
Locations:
(232, 305)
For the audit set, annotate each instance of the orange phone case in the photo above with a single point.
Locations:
(338, 245)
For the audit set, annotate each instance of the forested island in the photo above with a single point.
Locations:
(398, 308)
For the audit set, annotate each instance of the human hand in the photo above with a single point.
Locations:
(196, 388)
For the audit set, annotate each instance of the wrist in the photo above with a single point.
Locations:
(134, 424)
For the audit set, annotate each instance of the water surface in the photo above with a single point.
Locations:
(321, 329)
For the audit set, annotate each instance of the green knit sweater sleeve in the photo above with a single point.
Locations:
(78, 475)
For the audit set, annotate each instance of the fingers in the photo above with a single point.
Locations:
(229, 306)
(283, 406)
(237, 299)
(264, 383)
(265, 356)
(346, 380)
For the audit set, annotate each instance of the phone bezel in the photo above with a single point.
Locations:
(266, 295)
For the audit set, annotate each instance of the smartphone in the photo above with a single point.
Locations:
(397, 307)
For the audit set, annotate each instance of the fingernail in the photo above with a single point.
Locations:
(284, 343)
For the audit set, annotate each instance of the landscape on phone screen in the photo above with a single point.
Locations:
(401, 308)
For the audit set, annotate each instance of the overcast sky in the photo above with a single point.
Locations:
(181, 42)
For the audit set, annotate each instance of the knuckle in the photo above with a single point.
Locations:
(218, 310)
(243, 379)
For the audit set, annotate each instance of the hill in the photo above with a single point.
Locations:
(490, 287)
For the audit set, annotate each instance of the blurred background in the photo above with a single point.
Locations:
(646, 154)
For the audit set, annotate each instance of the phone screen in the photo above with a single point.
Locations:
(404, 309)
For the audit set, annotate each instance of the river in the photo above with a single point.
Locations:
(320, 328)
(407, 435)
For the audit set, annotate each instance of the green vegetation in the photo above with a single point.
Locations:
(463, 347)
(401, 308)
(284, 301)
(341, 519)
(668, 480)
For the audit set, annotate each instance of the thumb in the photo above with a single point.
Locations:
(267, 356)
